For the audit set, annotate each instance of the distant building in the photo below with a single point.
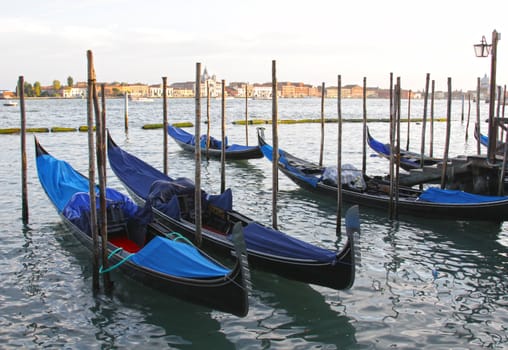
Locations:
(157, 90)
(263, 91)
(185, 89)
(7, 94)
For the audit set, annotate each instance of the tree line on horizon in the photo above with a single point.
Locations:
(35, 90)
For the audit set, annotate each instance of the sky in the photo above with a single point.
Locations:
(311, 41)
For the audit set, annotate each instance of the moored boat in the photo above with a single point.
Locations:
(232, 151)
(144, 249)
(408, 160)
(268, 249)
(373, 192)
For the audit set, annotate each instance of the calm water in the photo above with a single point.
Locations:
(45, 294)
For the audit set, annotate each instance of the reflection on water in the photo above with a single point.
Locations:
(422, 283)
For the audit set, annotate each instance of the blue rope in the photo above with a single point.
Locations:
(178, 236)
(111, 268)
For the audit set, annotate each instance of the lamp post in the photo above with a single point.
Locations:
(483, 50)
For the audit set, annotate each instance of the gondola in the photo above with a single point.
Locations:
(233, 151)
(408, 160)
(141, 247)
(484, 141)
(172, 201)
(373, 192)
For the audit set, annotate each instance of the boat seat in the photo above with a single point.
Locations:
(216, 219)
(116, 221)
(186, 203)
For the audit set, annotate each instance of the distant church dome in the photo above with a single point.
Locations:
(484, 82)
(205, 76)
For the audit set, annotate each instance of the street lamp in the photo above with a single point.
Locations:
(483, 50)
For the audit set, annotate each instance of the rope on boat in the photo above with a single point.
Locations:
(118, 264)
(171, 235)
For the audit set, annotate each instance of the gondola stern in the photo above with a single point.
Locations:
(39, 150)
(240, 251)
(353, 234)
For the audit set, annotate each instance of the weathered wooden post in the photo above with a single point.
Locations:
(91, 174)
(424, 122)
(275, 140)
(338, 224)
(502, 170)
(247, 114)
(477, 127)
(165, 123)
(397, 149)
(491, 151)
(498, 114)
(126, 115)
(462, 111)
(431, 146)
(207, 119)
(393, 98)
(197, 156)
(468, 115)
(447, 139)
(322, 144)
(503, 103)
(24, 187)
(223, 144)
(100, 119)
(408, 119)
(364, 139)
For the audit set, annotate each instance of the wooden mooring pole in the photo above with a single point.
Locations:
(197, 156)
(247, 114)
(322, 143)
(207, 145)
(392, 156)
(408, 119)
(447, 139)
(397, 148)
(223, 145)
(338, 224)
(126, 115)
(275, 141)
(431, 145)
(165, 123)
(100, 131)
(424, 122)
(477, 126)
(24, 187)
(468, 115)
(364, 139)
(91, 174)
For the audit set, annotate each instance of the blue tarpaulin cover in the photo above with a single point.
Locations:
(133, 172)
(268, 240)
(185, 137)
(311, 179)
(176, 259)
(59, 180)
(437, 195)
(66, 189)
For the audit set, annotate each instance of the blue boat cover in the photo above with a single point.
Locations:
(437, 195)
(151, 184)
(66, 189)
(309, 178)
(59, 180)
(385, 150)
(138, 175)
(176, 259)
(185, 137)
(267, 240)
